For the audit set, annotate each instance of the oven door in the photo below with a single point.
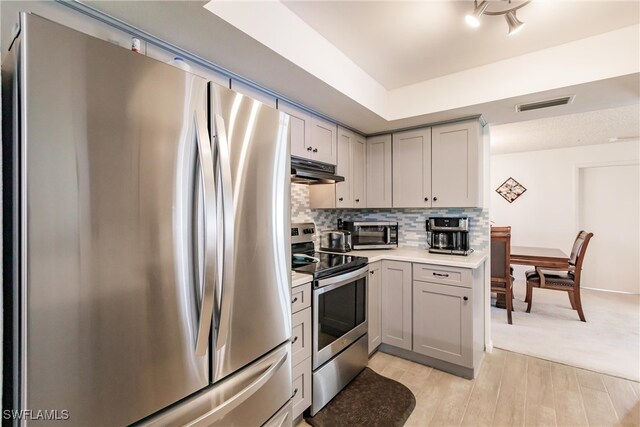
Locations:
(339, 313)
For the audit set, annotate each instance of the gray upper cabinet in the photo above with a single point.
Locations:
(300, 128)
(374, 318)
(456, 165)
(378, 169)
(254, 93)
(351, 193)
(324, 140)
(395, 299)
(312, 137)
(412, 169)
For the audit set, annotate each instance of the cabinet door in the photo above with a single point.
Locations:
(300, 130)
(412, 169)
(301, 335)
(373, 307)
(324, 140)
(301, 387)
(442, 322)
(379, 171)
(396, 303)
(358, 170)
(455, 165)
(344, 195)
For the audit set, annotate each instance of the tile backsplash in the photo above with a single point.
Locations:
(411, 221)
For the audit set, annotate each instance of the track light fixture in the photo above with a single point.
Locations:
(473, 19)
(495, 8)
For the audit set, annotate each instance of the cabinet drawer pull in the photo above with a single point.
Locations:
(293, 341)
(465, 298)
(295, 391)
(371, 272)
(357, 200)
(341, 199)
(315, 150)
(295, 300)
(440, 274)
(309, 148)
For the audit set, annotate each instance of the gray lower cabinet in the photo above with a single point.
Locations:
(301, 348)
(442, 322)
(374, 310)
(395, 299)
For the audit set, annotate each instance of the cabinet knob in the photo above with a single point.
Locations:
(435, 199)
(465, 298)
(315, 150)
(341, 199)
(371, 272)
(426, 199)
(357, 200)
(309, 148)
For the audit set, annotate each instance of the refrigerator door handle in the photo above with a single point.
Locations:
(208, 185)
(222, 410)
(227, 286)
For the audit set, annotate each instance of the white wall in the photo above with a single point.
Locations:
(547, 213)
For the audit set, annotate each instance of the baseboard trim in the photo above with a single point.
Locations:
(441, 365)
(609, 290)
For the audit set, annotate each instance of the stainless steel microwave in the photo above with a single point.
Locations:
(372, 234)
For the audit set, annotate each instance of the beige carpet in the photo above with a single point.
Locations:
(609, 342)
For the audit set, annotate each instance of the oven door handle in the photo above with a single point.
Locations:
(387, 232)
(330, 283)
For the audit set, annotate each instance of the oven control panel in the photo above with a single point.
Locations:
(302, 232)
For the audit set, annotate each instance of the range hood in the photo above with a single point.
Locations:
(304, 171)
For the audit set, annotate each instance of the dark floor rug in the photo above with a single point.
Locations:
(369, 400)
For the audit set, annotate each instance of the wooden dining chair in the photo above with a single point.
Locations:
(501, 278)
(567, 280)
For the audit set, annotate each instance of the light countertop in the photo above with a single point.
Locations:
(298, 279)
(423, 256)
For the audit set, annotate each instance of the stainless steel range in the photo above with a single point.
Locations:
(339, 313)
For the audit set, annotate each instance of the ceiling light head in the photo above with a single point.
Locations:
(515, 25)
(473, 19)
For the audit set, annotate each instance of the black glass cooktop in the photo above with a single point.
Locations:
(326, 264)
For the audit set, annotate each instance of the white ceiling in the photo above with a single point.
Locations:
(571, 130)
(404, 42)
(188, 25)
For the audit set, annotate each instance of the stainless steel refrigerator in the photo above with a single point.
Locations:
(146, 244)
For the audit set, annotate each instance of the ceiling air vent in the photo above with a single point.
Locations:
(545, 104)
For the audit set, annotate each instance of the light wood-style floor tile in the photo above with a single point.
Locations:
(482, 404)
(624, 400)
(514, 390)
(512, 396)
(568, 399)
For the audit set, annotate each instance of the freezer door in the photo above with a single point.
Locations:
(249, 397)
(112, 286)
(252, 169)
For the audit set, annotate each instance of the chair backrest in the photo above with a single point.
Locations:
(500, 254)
(578, 251)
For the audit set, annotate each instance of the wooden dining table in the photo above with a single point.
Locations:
(537, 257)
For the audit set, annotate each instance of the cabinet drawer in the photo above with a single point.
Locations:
(440, 274)
(300, 336)
(300, 297)
(301, 387)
